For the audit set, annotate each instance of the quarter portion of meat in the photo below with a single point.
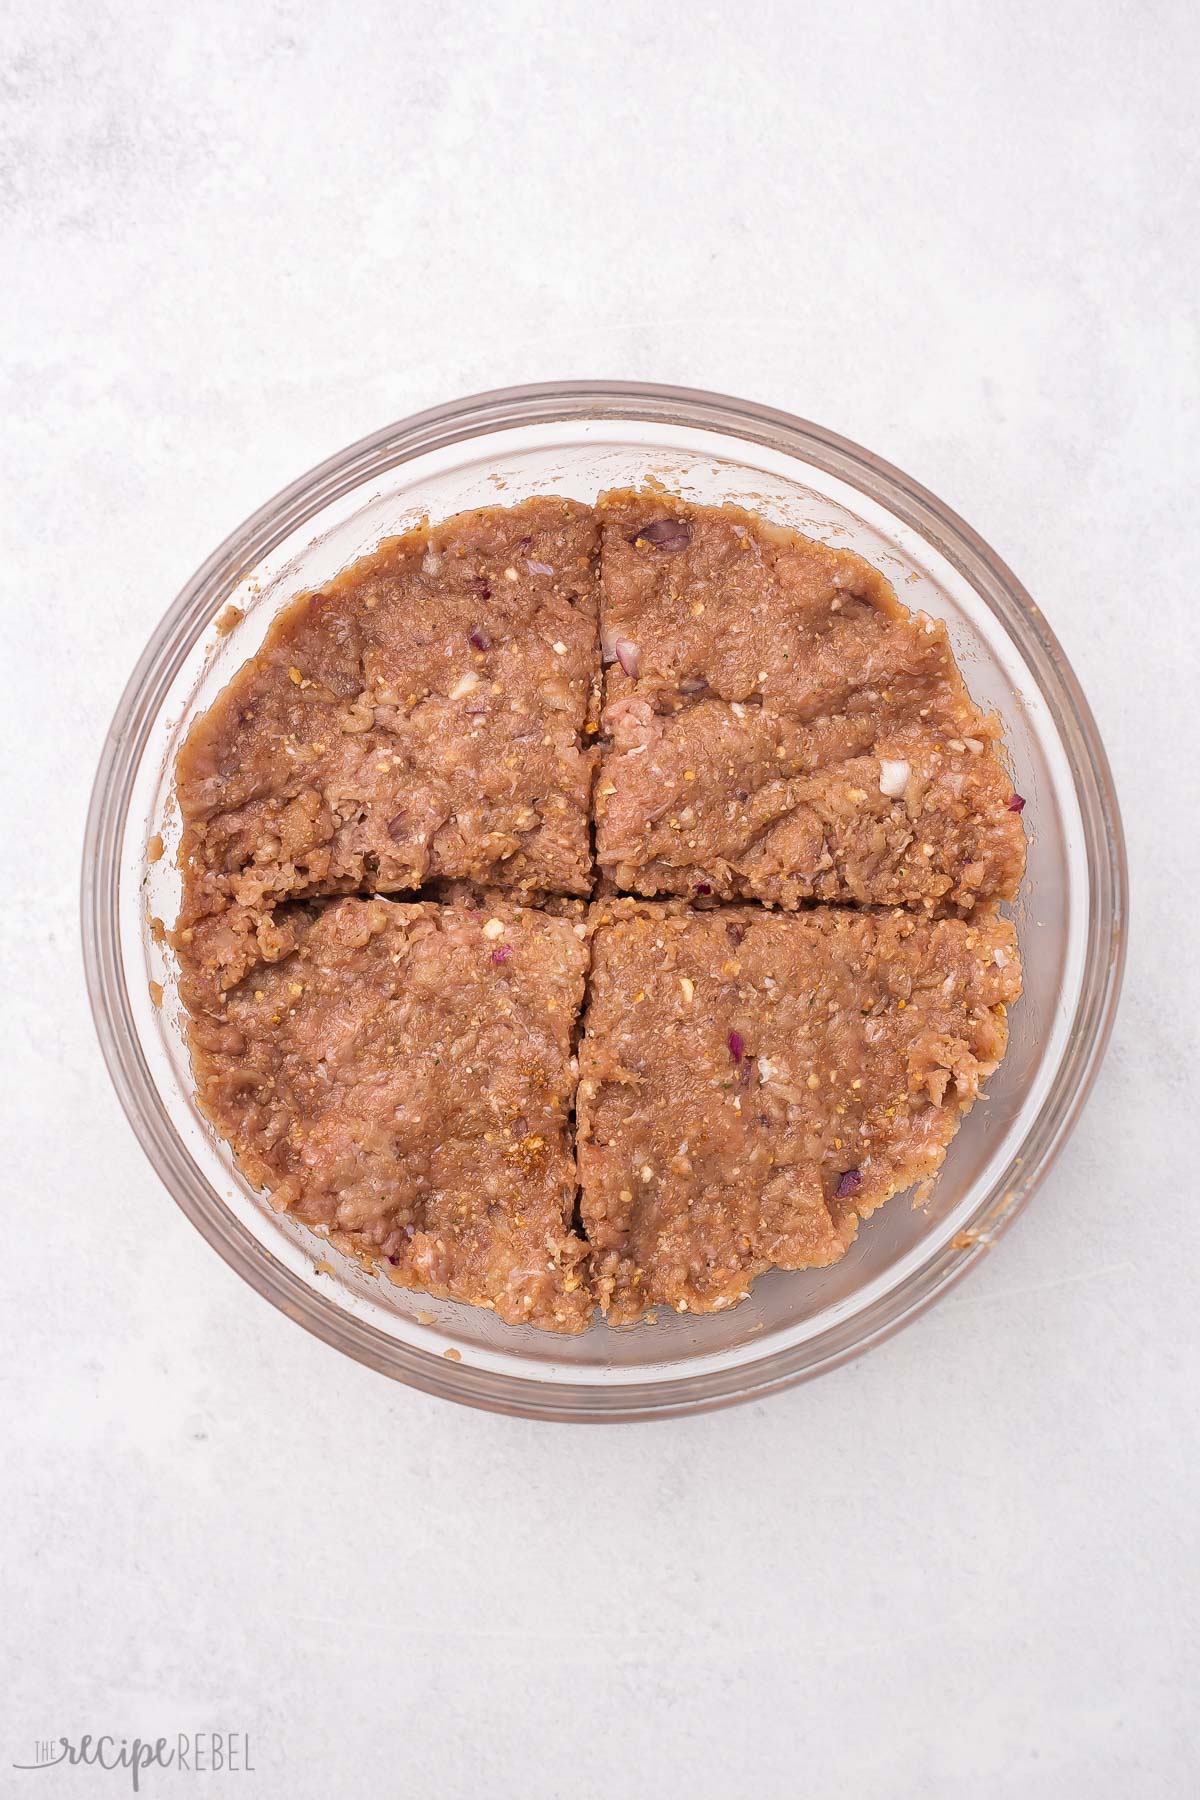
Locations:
(401, 1079)
(751, 1083)
(424, 717)
(778, 727)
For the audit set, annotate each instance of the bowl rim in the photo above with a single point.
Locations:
(679, 1392)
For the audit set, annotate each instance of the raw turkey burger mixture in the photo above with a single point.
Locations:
(506, 1083)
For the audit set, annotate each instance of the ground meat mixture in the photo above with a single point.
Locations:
(780, 728)
(752, 1083)
(776, 728)
(402, 1080)
(425, 715)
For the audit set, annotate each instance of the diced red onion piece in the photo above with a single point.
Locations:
(1017, 803)
(395, 825)
(626, 653)
(848, 1184)
(702, 887)
(479, 639)
(502, 954)
(665, 534)
(538, 568)
(737, 1048)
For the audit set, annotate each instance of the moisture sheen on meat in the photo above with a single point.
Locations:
(778, 727)
(401, 1079)
(423, 717)
(752, 1083)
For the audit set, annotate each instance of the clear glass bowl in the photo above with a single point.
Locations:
(577, 439)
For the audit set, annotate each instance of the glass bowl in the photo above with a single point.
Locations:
(578, 439)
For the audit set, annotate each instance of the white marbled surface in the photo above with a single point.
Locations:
(237, 236)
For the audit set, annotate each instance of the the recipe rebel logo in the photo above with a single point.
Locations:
(193, 1753)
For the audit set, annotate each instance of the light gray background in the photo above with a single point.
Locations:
(237, 237)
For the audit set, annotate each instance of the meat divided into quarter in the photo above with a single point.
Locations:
(401, 1079)
(778, 727)
(493, 719)
(423, 717)
(752, 1083)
